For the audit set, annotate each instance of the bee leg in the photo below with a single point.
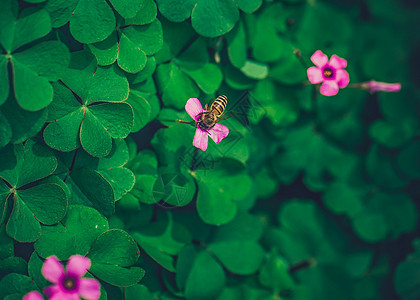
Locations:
(180, 121)
(199, 115)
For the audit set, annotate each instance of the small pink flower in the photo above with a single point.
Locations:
(34, 295)
(217, 133)
(376, 86)
(330, 73)
(69, 284)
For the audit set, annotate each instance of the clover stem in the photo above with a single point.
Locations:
(72, 165)
(355, 86)
(176, 121)
(194, 159)
(190, 42)
(298, 54)
(302, 265)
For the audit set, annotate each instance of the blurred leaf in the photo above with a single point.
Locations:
(211, 18)
(406, 278)
(236, 46)
(162, 240)
(218, 188)
(381, 169)
(205, 278)
(175, 11)
(255, 70)
(408, 160)
(275, 274)
(138, 291)
(249, 6)
(176, 87)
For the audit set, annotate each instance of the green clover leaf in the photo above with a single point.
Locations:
(374, 214)
(129, 45)
(40, 202)
(15, 286)
(218, 188)
(239, 235)
(275, 274)
(144, 166)
(100, 117)
(113, 255)
(138, 291)
(309, 151)
(22, 124)
(163, 240)
(199, 274)
(174, 10)
(85, 25)
(306, 235)
(209, 18)
(406, 277)
(34, 67)
(97, 182)
(187, 71)
(5, 131)
(75, 234)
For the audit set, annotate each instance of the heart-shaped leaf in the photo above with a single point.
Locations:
(112, 256)
(75, 234)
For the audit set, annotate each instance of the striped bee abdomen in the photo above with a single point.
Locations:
(219, 105)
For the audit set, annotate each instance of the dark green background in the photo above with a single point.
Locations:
(309, 197)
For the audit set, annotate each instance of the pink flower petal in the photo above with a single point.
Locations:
(218, 132)
(342, 78)
(337, 62)
(193, 108)
(201, 139)
(319, 58)
(56, 293)
(34, 295)
(78, 265)
(89, 289)
(51, 291)
(52, 269)
(315, 75)
(329, 88)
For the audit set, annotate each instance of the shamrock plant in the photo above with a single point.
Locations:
(33, 67)
(32, 199)
(130, 44)
(101, 114)
(97, 182)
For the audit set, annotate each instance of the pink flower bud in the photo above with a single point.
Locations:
(376, 86)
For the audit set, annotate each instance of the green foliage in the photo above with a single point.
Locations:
(308, 197)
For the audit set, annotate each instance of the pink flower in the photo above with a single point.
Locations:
(34, 295)
(68, 284)
(376, 86)
(330, 72)
(217, 133)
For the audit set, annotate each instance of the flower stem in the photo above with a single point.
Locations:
(298, 54)
(302, 265)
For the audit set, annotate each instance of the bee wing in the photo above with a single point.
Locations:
(225, 116)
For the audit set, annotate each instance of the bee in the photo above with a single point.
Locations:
(208, 118)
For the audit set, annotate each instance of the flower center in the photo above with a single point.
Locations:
(69, 283)
(328, 73)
